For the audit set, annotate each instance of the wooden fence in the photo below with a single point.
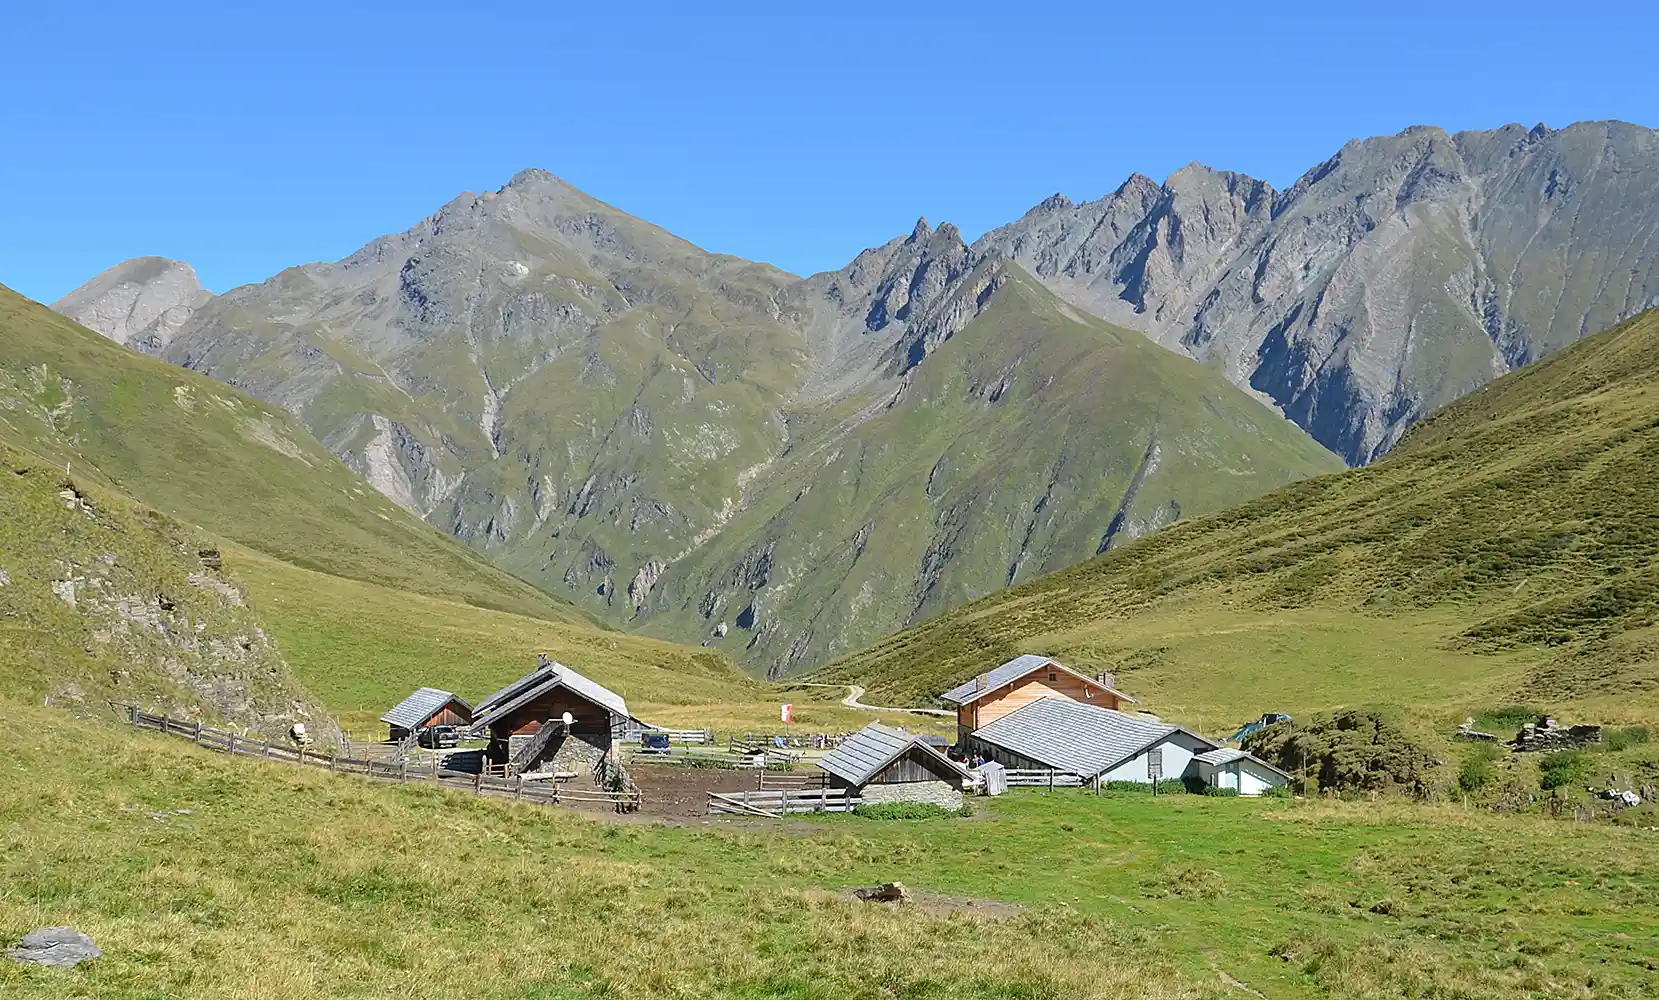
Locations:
(518, 789)
(790, 781)
(693, 736)
(710, 757)
(782, 802)
(1043, 779)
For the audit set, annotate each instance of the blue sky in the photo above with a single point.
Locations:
(792, 133)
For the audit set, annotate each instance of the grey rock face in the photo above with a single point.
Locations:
(59, 947)
(141, 303)
(1388, 281)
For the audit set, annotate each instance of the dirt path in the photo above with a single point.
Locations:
(855, 692)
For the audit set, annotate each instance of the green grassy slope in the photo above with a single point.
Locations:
(211, 455)
(206, 877)
(103, 600)
(1505, 551)
(1023, 444)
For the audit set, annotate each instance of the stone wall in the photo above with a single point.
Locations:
(574, 752)
(1545, 734)
(939, 793)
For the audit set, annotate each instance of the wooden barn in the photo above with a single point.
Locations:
(526, 723)
(882, 764)
(1018, 683)
(426, 708)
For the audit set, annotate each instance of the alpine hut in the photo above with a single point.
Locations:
(1021, 681)
(426, 708)
(882, 764)
(1229, 767)
(1091, 742)
(527, 723)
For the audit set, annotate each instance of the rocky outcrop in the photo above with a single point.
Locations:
(1389, 280)
(141, 303)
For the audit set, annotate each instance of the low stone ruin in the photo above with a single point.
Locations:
(1546, 734)
(1466, 731)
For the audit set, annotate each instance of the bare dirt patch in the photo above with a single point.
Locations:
(938, 904)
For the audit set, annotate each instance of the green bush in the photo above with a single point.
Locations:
(1478, 768)
(1358, 748)
(1507, 717)
(1172, 786)
(1623, 739)
(1563, 769)
(1129, 786)
(1221, 793)
(908, 810)
(1278, 792)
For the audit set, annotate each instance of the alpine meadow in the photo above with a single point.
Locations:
(1244, 583)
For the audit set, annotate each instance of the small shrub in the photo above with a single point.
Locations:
(1278, 792)
(1478, 768)
(1352, 749)
(1563, 769)
(1172, 786)
(1221, 793)
(1623, 739)
(1139, 787)
(907, 810)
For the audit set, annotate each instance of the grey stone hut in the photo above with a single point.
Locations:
(882, 764)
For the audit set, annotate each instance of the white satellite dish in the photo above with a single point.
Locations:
(567, 718)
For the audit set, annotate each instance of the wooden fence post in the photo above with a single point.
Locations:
(230, 745)
(1051, 780)
(198, 737)
(783, 802)
(403, 772)
(518, 788)
(478, 782)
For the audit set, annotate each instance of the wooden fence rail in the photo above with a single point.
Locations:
(1043, 779)
(238, 745)
(783, 802)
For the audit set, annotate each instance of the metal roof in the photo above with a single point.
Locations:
(1226, 755)
(862, 755)
(547, 676)
(1070, 736)
(420, 706)
(971, 691)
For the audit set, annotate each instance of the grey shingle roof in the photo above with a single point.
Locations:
(418, 707)
(1013, 670)
(1226, 755)
(547, 676)
(1070, 736)
(863, 754)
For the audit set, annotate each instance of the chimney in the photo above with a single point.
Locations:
(1107, 678)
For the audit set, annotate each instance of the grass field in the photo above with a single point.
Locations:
(206, 877)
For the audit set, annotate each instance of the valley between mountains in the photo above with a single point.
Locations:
(707, 449)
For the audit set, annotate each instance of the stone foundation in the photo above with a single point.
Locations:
(939, 793)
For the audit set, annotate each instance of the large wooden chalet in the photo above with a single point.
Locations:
(1018, 683)
(526, 724)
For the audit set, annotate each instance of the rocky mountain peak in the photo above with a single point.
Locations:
(142, 302)
(921, 231)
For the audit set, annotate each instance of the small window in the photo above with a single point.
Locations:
(1053, 677)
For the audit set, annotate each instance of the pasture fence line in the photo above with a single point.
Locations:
(402, 771)
(783, 802)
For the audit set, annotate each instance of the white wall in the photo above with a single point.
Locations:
(1255, 779)
(1178, 750)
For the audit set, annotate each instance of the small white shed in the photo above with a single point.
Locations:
(1233, 768)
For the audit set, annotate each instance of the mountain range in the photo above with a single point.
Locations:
(706, 448)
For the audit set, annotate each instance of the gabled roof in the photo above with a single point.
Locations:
(1080, 739)
(1013, 670)
(547, 676)
(1226, 755)
(862, 755)
(420, 706)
